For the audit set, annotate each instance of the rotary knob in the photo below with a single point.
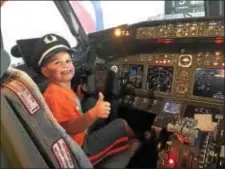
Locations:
(114, 68)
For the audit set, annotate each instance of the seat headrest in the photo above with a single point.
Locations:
(5, 62)
(24, 49)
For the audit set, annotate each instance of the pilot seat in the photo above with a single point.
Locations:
(24, 98)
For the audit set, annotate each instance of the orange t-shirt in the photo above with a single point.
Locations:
(65, 106)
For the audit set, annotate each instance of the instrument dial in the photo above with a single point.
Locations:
(209, 83)
(160, 79)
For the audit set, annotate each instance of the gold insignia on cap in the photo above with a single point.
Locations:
(48, 40)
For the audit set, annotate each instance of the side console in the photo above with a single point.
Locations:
(189, 147)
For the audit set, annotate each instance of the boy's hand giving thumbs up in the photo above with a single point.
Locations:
(102, 108)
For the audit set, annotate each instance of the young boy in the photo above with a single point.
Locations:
(52, 57)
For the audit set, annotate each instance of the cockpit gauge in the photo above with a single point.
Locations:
(209, 83)
(133, 74)
(159, 79)
(185, 60)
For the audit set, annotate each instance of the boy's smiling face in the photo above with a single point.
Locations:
(60, 68)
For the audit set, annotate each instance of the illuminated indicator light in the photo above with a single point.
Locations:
(223, 64)
(219, 75)
(168, 61)
(166, 41)
(219, 40)
(217, 53)
(215, 64)
(171, 161)
(222, 72)
(164, 61)
(160, 61)
(169, 143)
(127, 33)
(156, 61)
(159, 146)
(117, 32)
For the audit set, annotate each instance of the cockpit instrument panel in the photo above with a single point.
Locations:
(177, 71)
(209, 83)
(214, 59)
(181, 29)
(191, 110)
(159, 78)
(134, 73)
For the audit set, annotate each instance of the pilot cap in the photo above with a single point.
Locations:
(47, 46)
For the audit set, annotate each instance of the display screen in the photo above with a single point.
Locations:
(191, 110)
(101, 75)
(159, 78)
(171, 107)
(134, 74)
(195, 7)
(209, 83)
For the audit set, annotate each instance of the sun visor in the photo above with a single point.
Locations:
(5, 62)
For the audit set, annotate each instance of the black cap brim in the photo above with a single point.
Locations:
(49, 56)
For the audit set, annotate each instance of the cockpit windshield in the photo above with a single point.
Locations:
(31, 19)
(99, 15)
